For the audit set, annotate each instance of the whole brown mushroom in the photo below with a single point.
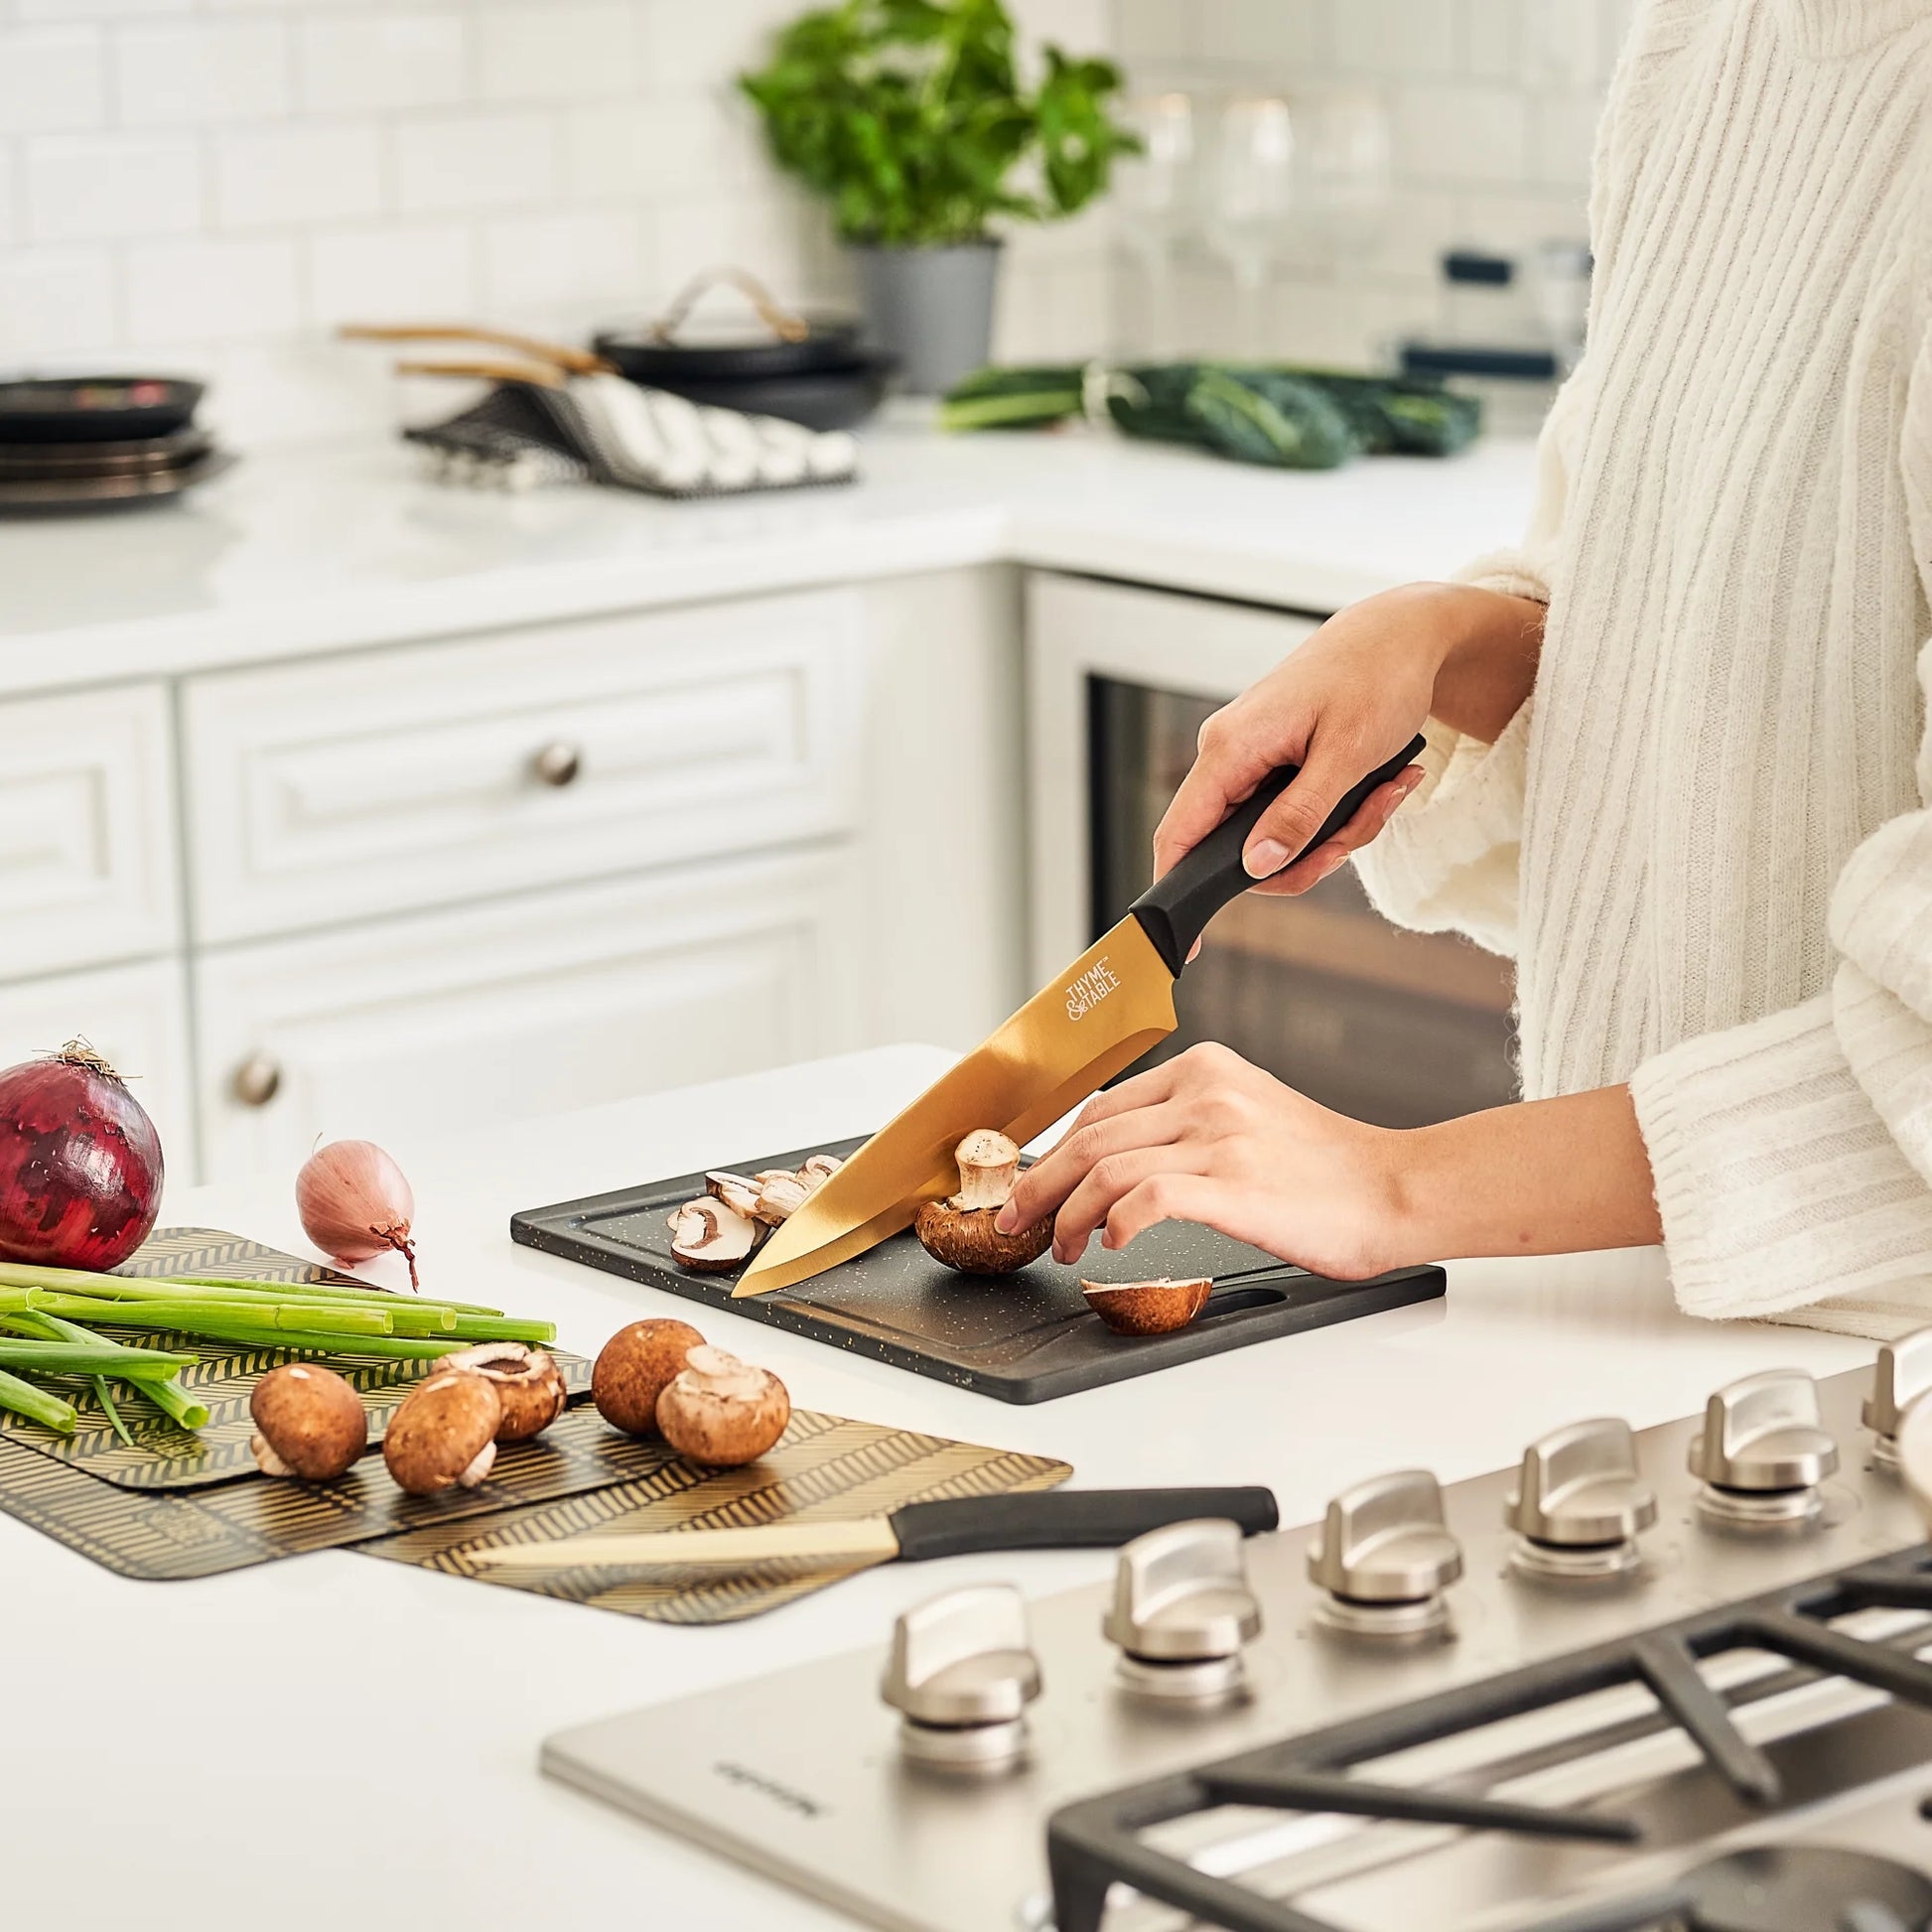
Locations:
(529, 1385)
(445, 1434)
(959, 1230)
(634, 1367)
(309, 1423)
(722, 1412)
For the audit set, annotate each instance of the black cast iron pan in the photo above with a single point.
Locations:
(95, 408)
(773, 340)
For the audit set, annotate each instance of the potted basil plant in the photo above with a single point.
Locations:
(909, 117)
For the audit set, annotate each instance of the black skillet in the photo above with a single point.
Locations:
(95, 408)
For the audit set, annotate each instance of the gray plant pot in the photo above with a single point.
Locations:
(933, 308)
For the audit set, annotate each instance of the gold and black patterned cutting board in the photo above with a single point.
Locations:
(163, 1457)
(826, 1469)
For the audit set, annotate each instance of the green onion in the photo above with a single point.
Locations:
(113, 1415)
(503, 1327)
(174, 1403)
(264, 1319)
(385, 1347)
(83, 1281)
(95, 1358)
(36, 1404)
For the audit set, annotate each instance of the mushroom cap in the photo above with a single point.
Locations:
(722, 1412)
(710, 1237)
(634, 1367)
(966, 1239)
(311, 1419)
(529, 1385)
(1154, 1308)
(445, 1433)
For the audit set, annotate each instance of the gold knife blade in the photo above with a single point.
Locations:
(1069, 1040)
(870, 1539)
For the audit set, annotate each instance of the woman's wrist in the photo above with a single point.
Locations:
(1544, 1177)
(1485, 646)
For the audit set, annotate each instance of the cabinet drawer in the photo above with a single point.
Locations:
(430, 774)
(87, 830)
(136, 1018)
(412, 1028)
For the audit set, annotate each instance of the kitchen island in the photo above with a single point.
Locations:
(332, 1741)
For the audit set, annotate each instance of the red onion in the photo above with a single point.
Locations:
(80, 1165)
(356, 1203)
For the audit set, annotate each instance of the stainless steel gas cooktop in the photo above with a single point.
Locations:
(1667, 1680)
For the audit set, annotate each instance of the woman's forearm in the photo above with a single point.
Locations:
(1542, 1176)
(1489, 661)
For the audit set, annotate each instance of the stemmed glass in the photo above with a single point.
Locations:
(1348, 170)
(1253, 191)
(1155, 194)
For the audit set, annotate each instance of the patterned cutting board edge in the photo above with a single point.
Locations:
(823, 1465)
(163, 1457)
(842, 1470)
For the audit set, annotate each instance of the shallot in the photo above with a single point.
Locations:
(355, 1204)
(80, 1165)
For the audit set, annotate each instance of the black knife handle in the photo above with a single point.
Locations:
(1067, 1519)
(1173, 912)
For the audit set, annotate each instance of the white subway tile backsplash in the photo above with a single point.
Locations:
(52, 77)
(474, 161)
(352, 62)
(1563, 136)
(1395, 36)
(1461, 133)
(658, 148)
(1492, 39)
(564, 51)
(53, 300)
(265, 177)
(403, 271)
(189, 73)
(88, 187)
(702, 45)
(217, 290)
(93, 9)
(6, 195)
(544, 261)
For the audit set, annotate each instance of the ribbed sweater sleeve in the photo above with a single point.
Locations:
(1793, 1156)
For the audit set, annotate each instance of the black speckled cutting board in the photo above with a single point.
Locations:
(1029, 1338)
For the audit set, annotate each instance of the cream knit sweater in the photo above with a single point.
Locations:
(1706, 839)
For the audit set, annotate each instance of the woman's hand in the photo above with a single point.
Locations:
(1207, 1137)
(1344, 703)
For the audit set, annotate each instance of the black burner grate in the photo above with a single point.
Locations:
(1099, 1842)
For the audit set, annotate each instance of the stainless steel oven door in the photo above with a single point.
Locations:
(1387, 1025)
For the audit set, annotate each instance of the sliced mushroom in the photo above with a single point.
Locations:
(1154, 1308)
(445, 1434)
(710, 1238)
(722, 1412)
(309, 1423)
(824, 1165)
(529, 1385)
(959, 1230)
(633, 1369)
(780, 1196)
(738, 1192)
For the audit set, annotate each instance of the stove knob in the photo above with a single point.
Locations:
(1183, 1610)
(1763, 1449)
(1903, 1374)
(1384, 1557)
(1580, 1504)
(961, 1675)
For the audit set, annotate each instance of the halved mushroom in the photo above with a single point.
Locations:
(780, 1195)
(1154, 1308)
(722, 1412)
(309, 1423)
(445, 1434)
(738, 1192)
(529, 1385)
(710, 1238)
(959, 1230)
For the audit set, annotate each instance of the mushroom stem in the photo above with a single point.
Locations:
(989, 1164)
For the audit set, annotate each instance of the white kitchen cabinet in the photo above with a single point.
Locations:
(87, 830)
(136, 1018)
(425, 774)
(406, 1029)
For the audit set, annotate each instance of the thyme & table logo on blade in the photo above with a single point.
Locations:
(1090, 989)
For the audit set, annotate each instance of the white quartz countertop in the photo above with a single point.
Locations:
(305, 550)
(333, 1742)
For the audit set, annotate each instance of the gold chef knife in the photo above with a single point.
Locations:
(954, 1526)
(1088, 1024)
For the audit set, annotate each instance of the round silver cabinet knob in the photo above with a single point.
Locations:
(961, 1674)
(1183, 1610)
(1579, 1505)
(557, 764)
(1763, 1449)
(257, 1081)
(1384, 1557)
(1903, 1373)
